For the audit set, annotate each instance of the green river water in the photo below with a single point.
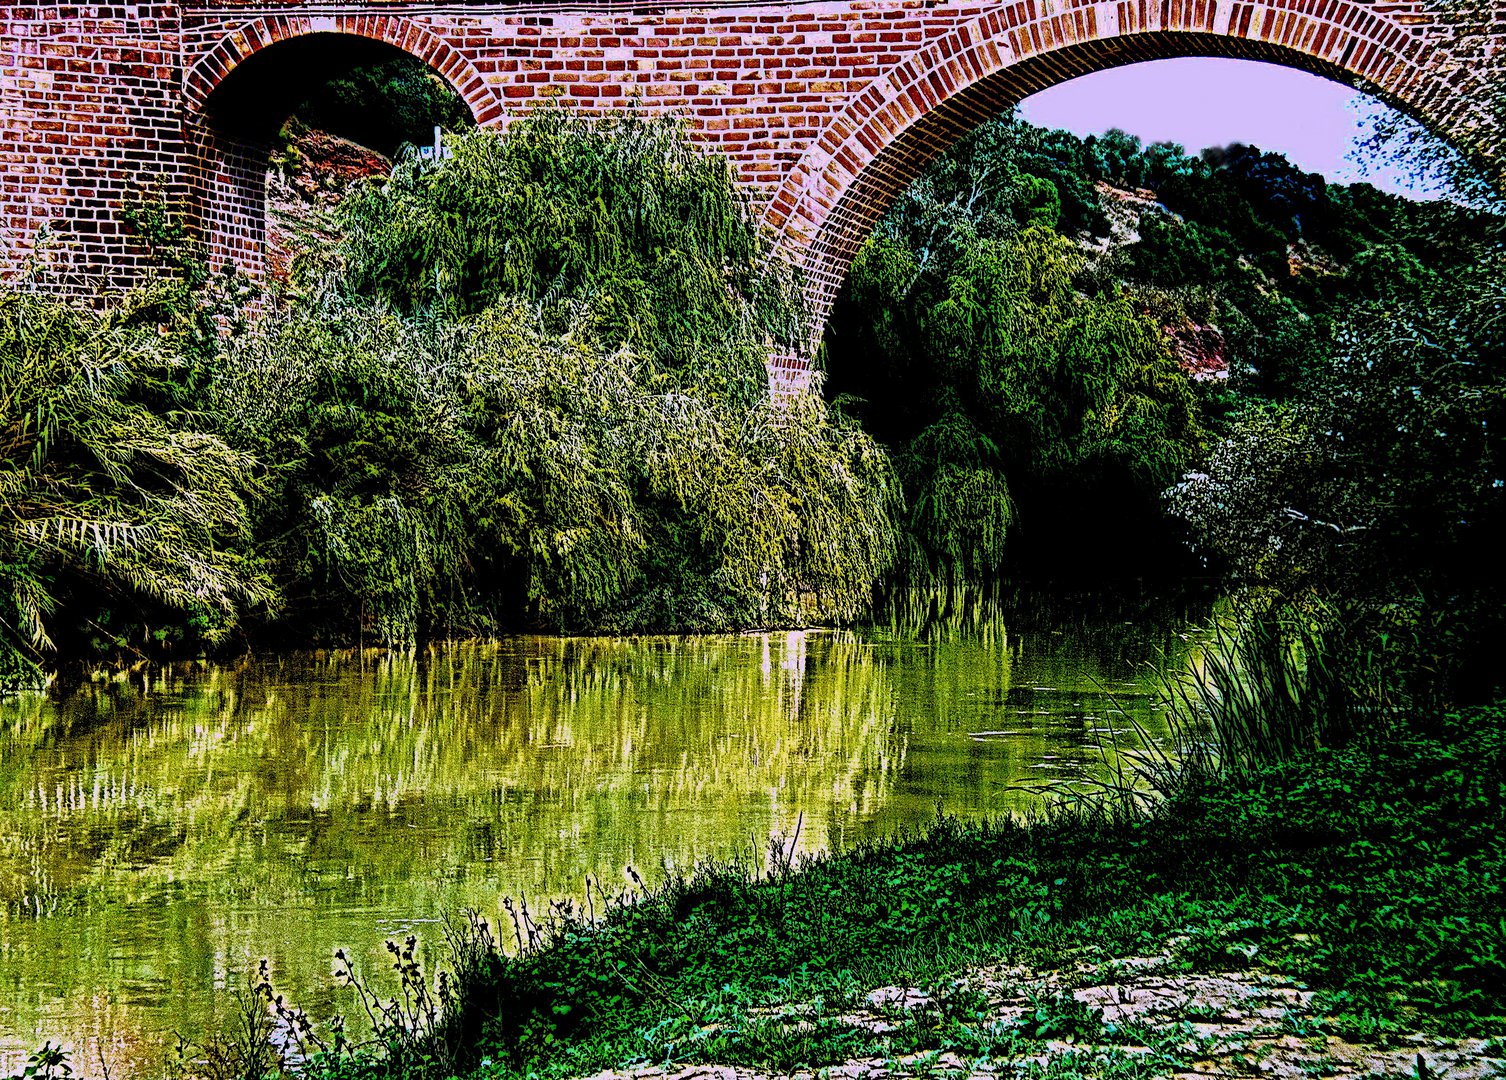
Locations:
(162, 830)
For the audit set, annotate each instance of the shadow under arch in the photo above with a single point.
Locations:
(239, 93)
(911, 112)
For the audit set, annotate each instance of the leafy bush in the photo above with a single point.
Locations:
(1006, 386)
(581, 437)
(1380, 492)
(1171, 254)
(111, 494)
(457, 476)
(622, 213)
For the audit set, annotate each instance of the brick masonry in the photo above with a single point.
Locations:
(827, 108)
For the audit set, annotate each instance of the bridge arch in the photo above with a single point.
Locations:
(229, 128)
(914, 110)
(216, 65)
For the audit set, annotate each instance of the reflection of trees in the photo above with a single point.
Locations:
(211, 815)
(530, 762)
(208, 815)
(534, 754)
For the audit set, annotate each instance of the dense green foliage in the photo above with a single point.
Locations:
(525, 387)
(1045, 369)
(1009, 386)
(459, 477)
(623, 214)
(580, 437)
(1380, 493)
(395, 102)
(1370, 490)
(122, 520)
(529, 388)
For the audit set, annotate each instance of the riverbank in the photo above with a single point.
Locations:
(338, 799)
(1356, 895)
(1137, 1016)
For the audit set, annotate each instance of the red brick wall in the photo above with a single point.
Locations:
(827, 108)
(90, 112)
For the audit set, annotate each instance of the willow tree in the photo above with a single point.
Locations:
(623, 214)
(1036, 386)
(462, 475)
(529, 385)
(117, 511)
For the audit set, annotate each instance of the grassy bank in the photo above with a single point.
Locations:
(1372, 874)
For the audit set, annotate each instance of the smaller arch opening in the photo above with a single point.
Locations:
(355, 88)
(292, 126)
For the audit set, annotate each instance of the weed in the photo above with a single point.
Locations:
(1206, 1014)
(48, 1063)
(1354, 1018)
(247, 1049)
(1064, 1017)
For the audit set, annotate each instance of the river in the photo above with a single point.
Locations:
(163, 829)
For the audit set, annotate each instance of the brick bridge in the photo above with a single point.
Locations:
(828, 108)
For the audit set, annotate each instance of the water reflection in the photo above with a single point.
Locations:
(162, 830)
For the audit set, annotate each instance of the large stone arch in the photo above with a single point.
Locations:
(227, 174)
(910, 113)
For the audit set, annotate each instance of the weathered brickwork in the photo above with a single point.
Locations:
(828, 108)
(91, 105)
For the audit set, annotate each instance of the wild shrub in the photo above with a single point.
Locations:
(1017, 388)
(457, 475)
(528, 387)
(1379, 495)
(624, 214)
(119, 509)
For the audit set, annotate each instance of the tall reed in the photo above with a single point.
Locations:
(1268, 682)
(1264, 682)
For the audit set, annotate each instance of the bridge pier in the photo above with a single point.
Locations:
(229, 202)
(789, 373)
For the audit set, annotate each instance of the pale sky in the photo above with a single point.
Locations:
(1201, 102)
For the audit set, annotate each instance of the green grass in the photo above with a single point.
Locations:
(1373, 874)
